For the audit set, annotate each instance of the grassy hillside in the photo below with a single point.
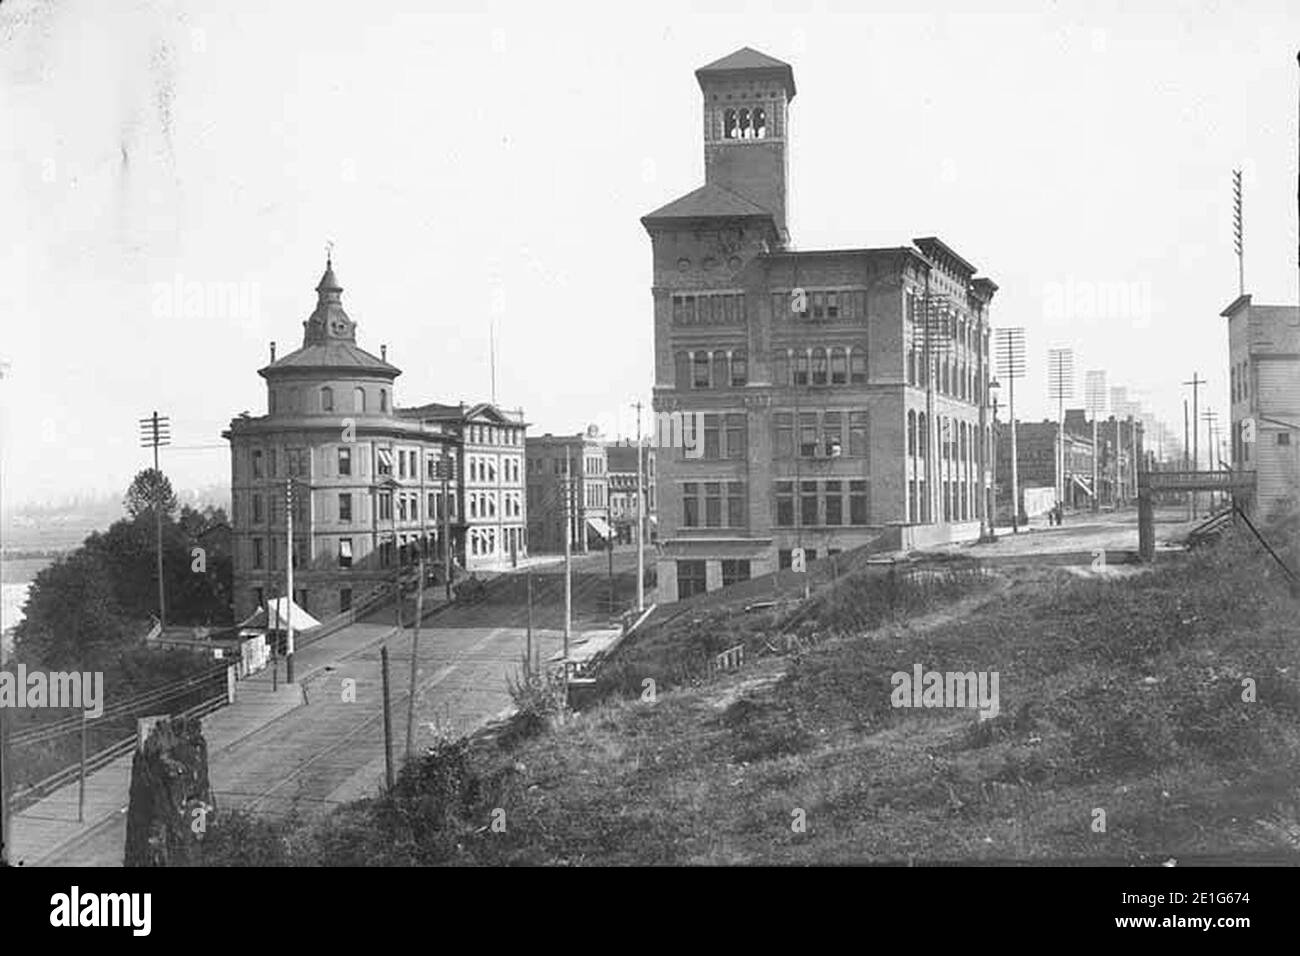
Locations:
(1122, 695)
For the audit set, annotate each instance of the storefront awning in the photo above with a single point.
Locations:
(1083, 485)
(599, 526)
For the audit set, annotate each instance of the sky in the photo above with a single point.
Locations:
(172, 172)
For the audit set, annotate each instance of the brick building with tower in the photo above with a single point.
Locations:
(369, 481)
(844, 392)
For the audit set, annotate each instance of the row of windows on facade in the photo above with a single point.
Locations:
(947, 326)
(957, 500)
(291, 402)
(401, 548)
(544, 500)
(692, 578)
(811, 366)
(1240, 381)
(821, 503)
(952, 377)
(957, 438)
(594, 465)
(744, 123)
(494, 435)
(484, 468)
(298, 463)
(408, 507)
(821, 434)
(728, 308)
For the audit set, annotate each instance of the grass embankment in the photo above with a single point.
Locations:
(1123, 695)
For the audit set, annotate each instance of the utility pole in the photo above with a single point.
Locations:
(1061, 381)
(156, 431)
(528, 635)
(1237, 231)
(568, 564)
(288, 574)
(640, 516)
(1186, 445)
(1196, 384)
(6, 767)
(415, 656)
(1011, 365)
(444, 472)
(388, 721)
(609, 540)
(1094, 389)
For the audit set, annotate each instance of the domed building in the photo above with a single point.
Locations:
(369, 482)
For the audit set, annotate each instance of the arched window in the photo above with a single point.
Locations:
(819, 366)
(383, 399)
(739, 368)
(729, 130)
(911, 434)
(839, 367)
(746, 131)
(801, 368)
(327, 399)
(358, 399)
(760, 123)
(923, 433)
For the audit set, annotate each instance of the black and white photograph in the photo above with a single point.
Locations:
(665, 435)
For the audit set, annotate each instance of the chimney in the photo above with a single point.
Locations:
(383, 352)
(273, 350)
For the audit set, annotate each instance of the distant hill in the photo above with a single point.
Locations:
(62, 525)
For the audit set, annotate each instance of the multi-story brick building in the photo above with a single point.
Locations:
(834, 413)
(1264, 383)
(588, 506)
(622, 461)
(365, 477)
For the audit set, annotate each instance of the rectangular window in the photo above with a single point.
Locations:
(1284, 438)
(713, 504)
(808, 503)
(785, 504)
(834, 503)
(858, 368)
(784, 434)
(736, 435)
(839, 367)
(259, 596)
(257, 509)
(345, 462)
(385, 506)
(832, 305)
(689, 303)
(271, 470)
(384, 457)
(712, 436)
(690, 579)
(259, 557)
(801, 368)
(735, 504)
(783, 561)
(296, 461)
(733, 572)
(858, 502)
(807, 434)
(345, 599)
(858, 434)
(257, 463)
(401, 463)
(691, 505)
(832, 434)
(819, 305)
(700, 370)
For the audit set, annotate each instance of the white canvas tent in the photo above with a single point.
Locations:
(282, 613)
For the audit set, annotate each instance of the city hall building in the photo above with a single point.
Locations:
(843, 392)
(368, 480)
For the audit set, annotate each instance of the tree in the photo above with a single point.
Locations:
(150, 489)
(71, 618)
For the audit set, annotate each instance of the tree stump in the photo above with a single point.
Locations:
(171, 799)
